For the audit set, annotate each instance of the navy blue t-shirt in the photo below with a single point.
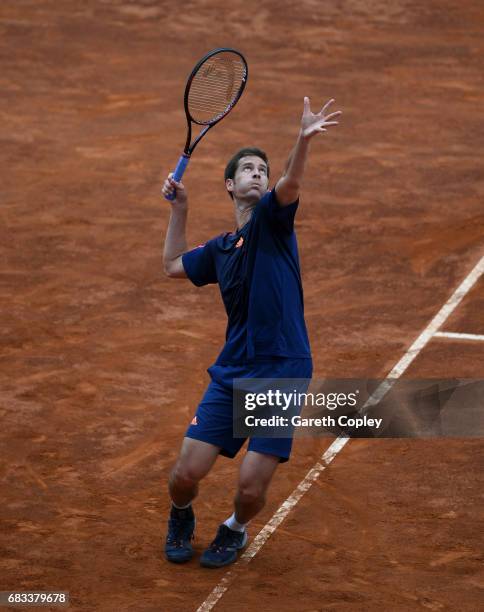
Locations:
(257, 269)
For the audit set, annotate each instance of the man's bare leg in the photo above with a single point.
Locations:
(255, 475)
(194, 462)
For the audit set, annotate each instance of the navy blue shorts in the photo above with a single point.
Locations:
(213, 421)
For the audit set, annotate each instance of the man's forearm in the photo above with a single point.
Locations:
(175, 242)
(297, 161)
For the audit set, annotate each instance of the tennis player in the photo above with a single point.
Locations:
(257, 269)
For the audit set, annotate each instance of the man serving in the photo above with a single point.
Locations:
(257, 269)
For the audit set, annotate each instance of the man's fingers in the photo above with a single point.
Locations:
(167, 188)
(306, 104)
(170, 186)
(326, 105)
(333, 114)
(175, 184)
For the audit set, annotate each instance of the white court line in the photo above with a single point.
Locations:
(339, 443)
(277, 518)
(430, 331)
(459, 336)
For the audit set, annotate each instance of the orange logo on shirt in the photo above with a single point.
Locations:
(194, 421)
(240, 242)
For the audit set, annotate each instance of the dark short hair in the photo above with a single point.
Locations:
(231, 167)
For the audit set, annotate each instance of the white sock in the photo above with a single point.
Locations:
(181, 507)
(234, 525)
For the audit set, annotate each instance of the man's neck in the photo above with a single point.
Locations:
(243, 211)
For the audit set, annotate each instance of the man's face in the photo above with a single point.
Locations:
(250, 181)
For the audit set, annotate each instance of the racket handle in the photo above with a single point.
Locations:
(179, 171)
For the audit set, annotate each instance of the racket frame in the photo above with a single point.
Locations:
(189, 148)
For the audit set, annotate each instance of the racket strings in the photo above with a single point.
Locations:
(216, 86)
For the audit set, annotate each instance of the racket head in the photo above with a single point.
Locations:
(215, 86)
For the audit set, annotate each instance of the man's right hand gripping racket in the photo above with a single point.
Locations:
(213, 89)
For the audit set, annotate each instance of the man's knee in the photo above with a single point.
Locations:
(251, 493)
(255, 477)
(187, 475)
(194, 462)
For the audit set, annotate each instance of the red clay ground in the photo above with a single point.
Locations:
(103, 358)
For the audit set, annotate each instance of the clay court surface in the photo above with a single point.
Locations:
(103, 358)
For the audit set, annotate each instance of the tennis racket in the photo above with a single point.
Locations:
(213, 89)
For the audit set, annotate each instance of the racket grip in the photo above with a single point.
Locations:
(179, 171)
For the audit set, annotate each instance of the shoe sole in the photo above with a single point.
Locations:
(178, 560)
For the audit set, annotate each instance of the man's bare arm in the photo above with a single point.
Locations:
(175, 241)
(289, 185)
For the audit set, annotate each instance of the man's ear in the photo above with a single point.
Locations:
(229, 183)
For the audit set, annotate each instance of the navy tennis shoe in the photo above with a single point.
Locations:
(223, 550)
(181, 525)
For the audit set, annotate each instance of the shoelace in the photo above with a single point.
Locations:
(223, 537)
(179, 531)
